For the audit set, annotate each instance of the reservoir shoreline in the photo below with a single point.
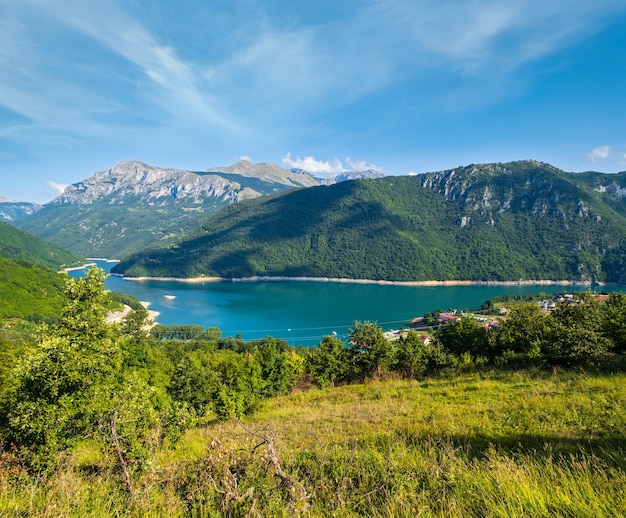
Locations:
(194, 280)
(279, 278)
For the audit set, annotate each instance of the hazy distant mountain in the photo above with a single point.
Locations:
(133, 205)
(16, 210)
(516, 221)
(345, 176)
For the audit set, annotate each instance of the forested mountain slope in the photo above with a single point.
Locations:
(494, 222)
(17, 244)
(29, 291)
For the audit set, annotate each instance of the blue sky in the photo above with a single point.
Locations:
(400, 85)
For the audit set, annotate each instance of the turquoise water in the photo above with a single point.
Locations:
(302, 312)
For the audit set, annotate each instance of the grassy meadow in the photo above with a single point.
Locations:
(493, 443)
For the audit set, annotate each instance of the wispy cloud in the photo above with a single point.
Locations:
(475, 34)
(599, 153)
(174, 83)
(54, 189)
(283, 63)
(113, 72)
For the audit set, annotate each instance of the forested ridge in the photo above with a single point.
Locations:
(496, 222)
(30, 286)
(17, 244)
(29, 291)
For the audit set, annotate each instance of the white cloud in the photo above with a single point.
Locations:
(308, 163)
(361, 165)
(599, 153)
(55, 189)
(246, 158)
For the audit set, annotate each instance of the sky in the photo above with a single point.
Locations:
(402, 86)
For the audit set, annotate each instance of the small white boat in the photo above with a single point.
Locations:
(169, 297)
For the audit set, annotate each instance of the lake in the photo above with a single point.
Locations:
(302, 312)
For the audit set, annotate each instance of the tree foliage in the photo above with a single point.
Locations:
(615, 321)
(328, 362)
(371, 352)
(63, 388)
(131, 391)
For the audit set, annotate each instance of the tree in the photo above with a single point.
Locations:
(241, 384)
(131, 427)
(413, 357)
(327, 363)
(63, 387)
(274, 368)
(84, 314)
(370, 350)
(73, 385)
(410, 358)
(576, 337)
(615, 321)
(195, 381)
(525, 332)
(465, 336)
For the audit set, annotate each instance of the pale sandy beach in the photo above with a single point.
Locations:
(152, 315)
(118, 316)
(86, 265)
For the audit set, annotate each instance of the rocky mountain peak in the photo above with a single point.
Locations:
(134, 181)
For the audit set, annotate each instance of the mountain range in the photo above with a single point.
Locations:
(132, 206)
(493, 222)
(522, 220)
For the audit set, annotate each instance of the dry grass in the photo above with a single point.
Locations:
(478, 444)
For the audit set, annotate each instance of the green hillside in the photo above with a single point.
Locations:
(473, 445)
(29, 291)
(495, 222)
(17, 244)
